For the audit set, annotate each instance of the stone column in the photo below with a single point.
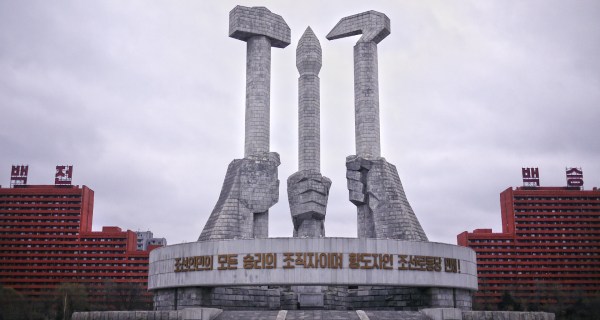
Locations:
(308, 62)
(258, 95)
(374, 185)
(366, 97)
(251, 184)
(308, 190)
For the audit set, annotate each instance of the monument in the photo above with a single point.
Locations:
(374, 184)
(389, 272)
(251, 186)
(308, 190)
(234, 265)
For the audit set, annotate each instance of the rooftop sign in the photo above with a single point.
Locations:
(531, 177)
(574, 177)
(18, 175)
(64, 175)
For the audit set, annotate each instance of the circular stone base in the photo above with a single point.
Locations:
(326, 273)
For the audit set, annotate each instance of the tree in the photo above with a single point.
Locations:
(13, 305)
(125, 296)
(70, 297)
(509, 303)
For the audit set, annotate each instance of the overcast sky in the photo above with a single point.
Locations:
(146, 100)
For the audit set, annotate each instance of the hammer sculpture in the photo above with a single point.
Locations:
(251, 185)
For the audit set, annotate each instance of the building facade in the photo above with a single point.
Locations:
(548, 251)
(146, 241)
(46, 239)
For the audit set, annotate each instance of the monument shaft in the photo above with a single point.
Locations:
(308, 190)
(309, 136)
(373, 183)
(258, 95)
(251, 184)
(366, 100)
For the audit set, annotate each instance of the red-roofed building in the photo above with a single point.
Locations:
(548, 250)
(46, 239)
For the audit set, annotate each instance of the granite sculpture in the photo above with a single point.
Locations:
(308, 189)
(373, 183)
(251, 185)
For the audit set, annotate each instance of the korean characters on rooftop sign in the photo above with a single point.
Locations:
(64, 175)
(574, 177)
(531, 177)
(18, 175)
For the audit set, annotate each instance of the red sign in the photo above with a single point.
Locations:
(64, 175)
(18, 175)
(531, 177)
(574, 177)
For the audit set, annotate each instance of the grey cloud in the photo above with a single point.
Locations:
(147, 101)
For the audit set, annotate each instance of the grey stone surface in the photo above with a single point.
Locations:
(506, 315)
(250, 188)
(185, 314)
(443, 313)
(246, 22)
(261, 29)
(366, 252)
(200, 313)
(308, 190)
(374, 184)
(383, 209)
(281, 315)
(395, 315)
(374, 27)
(214, 314)
(308, 62)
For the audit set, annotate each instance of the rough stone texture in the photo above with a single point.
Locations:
(248, 315)
(443, 313)
(374, 184)
(308, 62)
(383, 210)
(308, 190)
(456, 267)
(374, 26)
(245, 22)
(227, 298)
(506, 315)
(216, 314)
(322, 297)
(258, 96)
(395, 315)
(250, 188)
(261, 29)
(188, 314)
(321, 315)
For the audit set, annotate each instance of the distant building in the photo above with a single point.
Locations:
(46, 239)
(548, 250)
(145, 240)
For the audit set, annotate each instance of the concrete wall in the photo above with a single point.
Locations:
(326, 297)
(187, 314)
(216, 314)
(410, 270)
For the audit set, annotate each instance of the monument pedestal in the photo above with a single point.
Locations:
(312, 273)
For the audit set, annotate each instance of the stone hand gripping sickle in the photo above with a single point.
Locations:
(251, 185)
(374, 185)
